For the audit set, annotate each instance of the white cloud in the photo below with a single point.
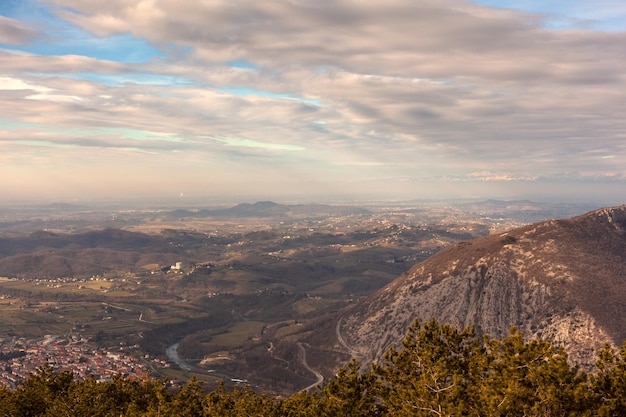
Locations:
(248, 143)
(499, 176)
(11, 83)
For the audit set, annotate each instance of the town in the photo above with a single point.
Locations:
(20, 357)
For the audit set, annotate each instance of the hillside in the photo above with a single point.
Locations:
(560, 279)
(45, 254)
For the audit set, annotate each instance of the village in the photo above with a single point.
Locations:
(19, 358)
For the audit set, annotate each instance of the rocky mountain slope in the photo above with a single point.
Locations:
(561, 279)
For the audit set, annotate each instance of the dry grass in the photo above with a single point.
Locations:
(237, 334)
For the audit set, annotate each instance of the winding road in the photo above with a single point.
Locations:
(342, 341)
(320, 377)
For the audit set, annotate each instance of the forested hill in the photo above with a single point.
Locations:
(440, 370)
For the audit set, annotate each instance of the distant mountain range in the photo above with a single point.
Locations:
(271, 209)
(563, 280)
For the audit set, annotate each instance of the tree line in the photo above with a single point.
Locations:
(439, 371)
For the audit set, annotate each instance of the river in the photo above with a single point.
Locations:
(172, 355)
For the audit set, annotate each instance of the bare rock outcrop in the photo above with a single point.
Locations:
(564, 280)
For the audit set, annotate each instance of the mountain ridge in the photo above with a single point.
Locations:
(557, 279)
(271, 209)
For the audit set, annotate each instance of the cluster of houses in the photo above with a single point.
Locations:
(20, 357)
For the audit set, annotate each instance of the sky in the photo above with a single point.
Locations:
(312, 100)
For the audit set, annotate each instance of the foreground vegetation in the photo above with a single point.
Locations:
(439, 371)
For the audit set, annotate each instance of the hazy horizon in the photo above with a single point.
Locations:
(151, 204)
(312, 101)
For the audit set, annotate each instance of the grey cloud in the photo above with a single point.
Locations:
(14, 32)
(402, 37)
(12, 62)
(446, 40)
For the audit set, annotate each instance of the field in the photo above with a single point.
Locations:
(237, 334)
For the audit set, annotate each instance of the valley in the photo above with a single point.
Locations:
(246, 294)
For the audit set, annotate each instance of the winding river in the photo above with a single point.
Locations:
(172, 355)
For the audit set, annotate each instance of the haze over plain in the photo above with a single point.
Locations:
(312, 99)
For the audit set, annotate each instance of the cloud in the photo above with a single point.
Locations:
(9, 83)
(14, 32)
(498, 176)
(247, 143)
(16, 62)
(322, 90)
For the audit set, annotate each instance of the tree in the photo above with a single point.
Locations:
(532, 378)
(444, 371)
(41, 390)
(243, 402)
(187, 401)
(439, 371)
(609, 383)
(351, 393)
(7, 401)
(435, 373)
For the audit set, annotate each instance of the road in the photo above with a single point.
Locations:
(342, 341)
(320, 377)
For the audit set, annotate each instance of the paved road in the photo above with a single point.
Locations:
(342, 341)
(320, 377)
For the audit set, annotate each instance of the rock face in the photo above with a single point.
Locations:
(563, 280)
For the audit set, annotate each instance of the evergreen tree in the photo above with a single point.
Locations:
(40, 391)
(7, 402)
(434, 374)
(301, 404)
(609, 383)
(242, 402)
(532, 378)
(439, 371)
(351, 393)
